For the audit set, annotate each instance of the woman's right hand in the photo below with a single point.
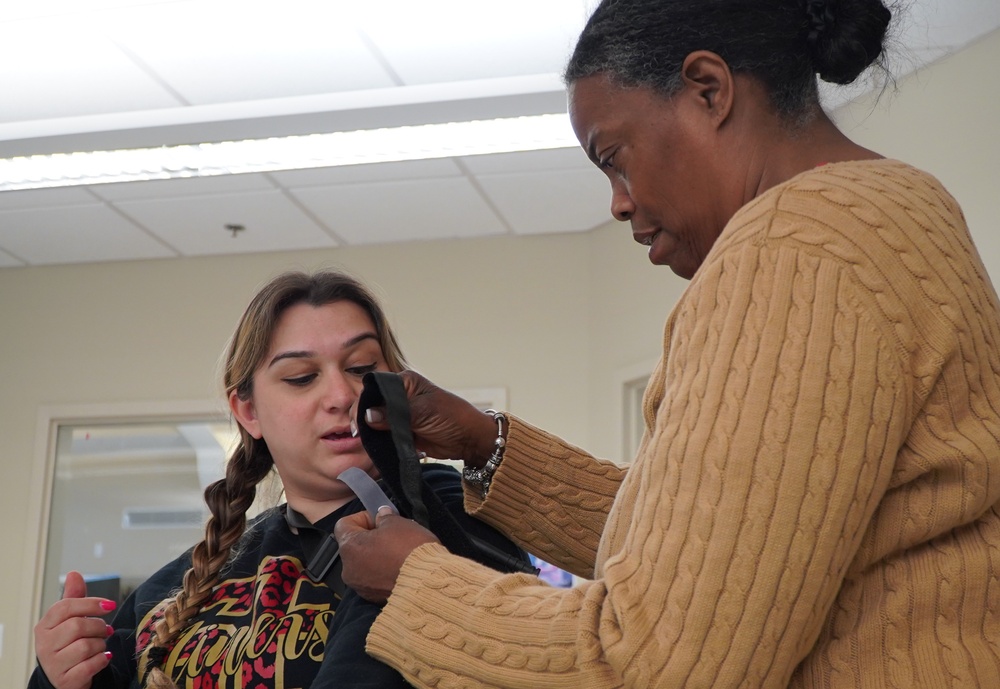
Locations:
(69, 639)
(444, 425)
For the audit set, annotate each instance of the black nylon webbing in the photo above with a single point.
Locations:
(395, 455)
(398, 415)
(321, 550)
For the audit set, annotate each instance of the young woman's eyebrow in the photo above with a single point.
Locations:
(301, 354)
(305, 354)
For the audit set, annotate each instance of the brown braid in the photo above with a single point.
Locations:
(228, 499)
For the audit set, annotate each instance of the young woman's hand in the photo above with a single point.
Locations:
(444, 425)
(69, 639)
(373, 555)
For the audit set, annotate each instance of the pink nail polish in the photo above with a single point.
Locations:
(108, 630)
(108, 605)
(107, 654)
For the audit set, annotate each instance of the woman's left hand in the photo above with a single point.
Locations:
(374, 554)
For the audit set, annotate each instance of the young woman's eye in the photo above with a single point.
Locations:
(300, 381)
(362, 370)
(607, 163)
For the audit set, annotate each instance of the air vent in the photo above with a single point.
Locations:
(162, 518)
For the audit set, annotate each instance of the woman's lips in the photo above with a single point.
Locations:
(342, 441)
(663, 249)
(645, 238)
(651, 240)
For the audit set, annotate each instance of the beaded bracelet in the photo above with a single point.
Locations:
(483, 477)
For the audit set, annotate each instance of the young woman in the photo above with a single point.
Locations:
(816, 501)
(251, 606)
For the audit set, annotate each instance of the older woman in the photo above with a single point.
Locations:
(815, 501)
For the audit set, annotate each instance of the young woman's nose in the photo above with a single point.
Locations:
(339, 393)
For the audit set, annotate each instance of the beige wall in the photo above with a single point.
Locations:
(560, 321)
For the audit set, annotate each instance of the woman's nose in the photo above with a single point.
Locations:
(622, 206)
(339, 393)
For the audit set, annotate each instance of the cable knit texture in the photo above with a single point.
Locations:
(815, 502)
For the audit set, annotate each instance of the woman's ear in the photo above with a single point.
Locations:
(708, 79)
(245, 414)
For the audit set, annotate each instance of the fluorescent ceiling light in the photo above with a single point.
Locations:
(418, 142)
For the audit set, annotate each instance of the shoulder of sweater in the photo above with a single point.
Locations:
(837, 185)
(892, 231)
(828, 206)
(870, 179)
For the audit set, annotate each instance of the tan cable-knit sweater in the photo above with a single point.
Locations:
(815, 503)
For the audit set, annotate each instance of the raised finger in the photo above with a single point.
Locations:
(69, 608)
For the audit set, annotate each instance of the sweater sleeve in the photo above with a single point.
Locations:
(773, 442)
(549, 496)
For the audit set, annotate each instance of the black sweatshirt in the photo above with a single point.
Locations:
(266, 621)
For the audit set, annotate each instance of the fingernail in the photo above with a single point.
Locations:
(107, 654)
(384, 511)
(108, 605)
(373, 415)
(108, 630)
(354, 429)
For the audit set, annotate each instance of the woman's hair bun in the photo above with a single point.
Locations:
(845, 36)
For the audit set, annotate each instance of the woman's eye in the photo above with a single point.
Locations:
(299, 381)
(362, 370)
(607, 163)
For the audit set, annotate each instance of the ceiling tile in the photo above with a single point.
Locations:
(378, 172)
(195, 225)
(57, 69)
(944, 25)
(174, 188)
(540, 203)
(530, 161)
(75, 234)
(467, 39)
(217, 51)
(139, 61)
(402, 211)
(45, 198)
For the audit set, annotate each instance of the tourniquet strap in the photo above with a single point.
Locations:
(394, 454)
(398, 414)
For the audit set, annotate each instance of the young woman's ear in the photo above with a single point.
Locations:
(245, 414)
